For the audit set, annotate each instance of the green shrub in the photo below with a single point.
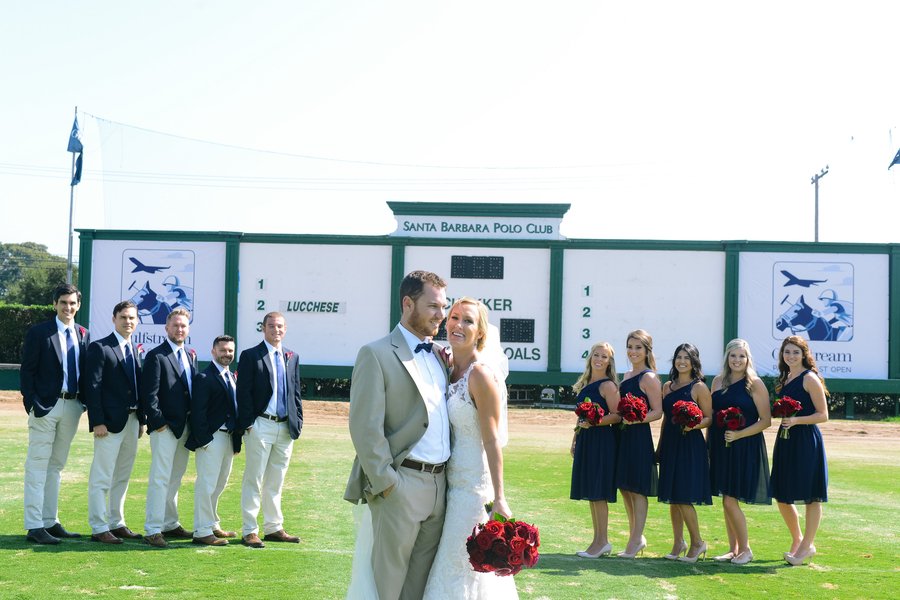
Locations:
(15, 319)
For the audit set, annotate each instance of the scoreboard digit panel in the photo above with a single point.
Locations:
(677, 296)
(335, 298)
(512, 283)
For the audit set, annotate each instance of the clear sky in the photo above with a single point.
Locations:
(655, 120)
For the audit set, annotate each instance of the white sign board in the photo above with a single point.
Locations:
(335, 298)
(158, 277)
(676, 296)
(512, 282)
(838, 302)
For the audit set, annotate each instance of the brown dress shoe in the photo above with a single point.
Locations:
(156, 540)
(252, 540)
(224, 534)
(178, 532)
(124, 532)
(106, 538)
(281, 536)
(210, 540)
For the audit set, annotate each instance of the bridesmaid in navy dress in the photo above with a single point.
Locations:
(683, 460)
(739, 472)
(635, 465)
(799, 467)
(594, 447)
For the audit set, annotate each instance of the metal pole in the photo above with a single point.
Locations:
(71, 211)
(815, 182)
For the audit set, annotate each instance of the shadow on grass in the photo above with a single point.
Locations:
(564, 565)
(84, 544)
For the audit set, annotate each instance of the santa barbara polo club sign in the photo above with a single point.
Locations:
(478, 227)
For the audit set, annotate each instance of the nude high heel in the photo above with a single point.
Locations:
(604, 551)
(682, 549)
(726, 557)
(639, 549)
(701, 551)
(797, 560)
(743, 558)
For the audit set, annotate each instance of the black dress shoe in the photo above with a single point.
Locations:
(59, 531)
(40, 536)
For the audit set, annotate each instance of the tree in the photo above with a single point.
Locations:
(28, 273)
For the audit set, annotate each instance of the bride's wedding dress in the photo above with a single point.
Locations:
(469, 488)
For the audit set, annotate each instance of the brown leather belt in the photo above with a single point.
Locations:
(69, 396)
(424, 467)
(276, 419)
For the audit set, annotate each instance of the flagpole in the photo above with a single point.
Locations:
(71, 211)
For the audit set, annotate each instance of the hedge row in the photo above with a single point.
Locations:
(15, 319)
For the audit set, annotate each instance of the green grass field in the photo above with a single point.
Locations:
(859, 552)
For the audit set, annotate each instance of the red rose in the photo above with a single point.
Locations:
(517, 545)
(484, 539)
(515, 559)
(500, 549)
(530, 556)
(509, 529)
(494, 527)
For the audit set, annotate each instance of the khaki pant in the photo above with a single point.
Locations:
(108, 480)
(213, 468)
(168, 462)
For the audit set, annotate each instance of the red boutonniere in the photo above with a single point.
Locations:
(287, 356)
(445, 355)
(193, 354)
(139, 349)
(82, 331)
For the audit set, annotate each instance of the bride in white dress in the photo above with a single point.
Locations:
(476, 401)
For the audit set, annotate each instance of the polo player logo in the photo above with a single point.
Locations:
(158, 289)
(825, 315)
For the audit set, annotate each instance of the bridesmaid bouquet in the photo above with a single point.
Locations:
(632, 409)
(590, 413)
(503, 546)
(686, 414)
(730, 418)
(785, 407)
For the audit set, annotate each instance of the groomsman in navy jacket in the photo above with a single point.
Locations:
(51, 384)
(166, 381)
(271, 415)
(113, 376)
(212, 438)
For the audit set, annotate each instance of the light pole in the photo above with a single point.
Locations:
(815, 182)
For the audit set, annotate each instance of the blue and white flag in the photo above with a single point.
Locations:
(896, 160)
(76, 146)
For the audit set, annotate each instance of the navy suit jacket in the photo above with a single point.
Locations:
(254, 387)
(109, 391)
(41, 373)
(165, 398)
(211, 408)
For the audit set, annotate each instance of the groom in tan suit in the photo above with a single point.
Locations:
(401, 432)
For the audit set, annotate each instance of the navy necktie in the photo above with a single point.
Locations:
(71, 367)
(129, 366)
(230, 421)
(426, 346)
(184, 372)
(281, 406)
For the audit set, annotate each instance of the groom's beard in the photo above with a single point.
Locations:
(420, 323)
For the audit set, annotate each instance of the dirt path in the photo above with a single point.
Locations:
(558, 424)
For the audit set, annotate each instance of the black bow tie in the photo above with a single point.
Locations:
(426, 346)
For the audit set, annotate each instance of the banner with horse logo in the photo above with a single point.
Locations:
(159, 277)
(838, 303)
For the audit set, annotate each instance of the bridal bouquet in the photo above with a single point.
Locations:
(503, 546)
(686, 414)
(590, 413)
(785, 407)
(632, 409)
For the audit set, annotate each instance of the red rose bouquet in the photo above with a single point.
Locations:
(730, 418)
(503, 547)
(785, 407)
(590, 413)
(686, 414)
(632, 409)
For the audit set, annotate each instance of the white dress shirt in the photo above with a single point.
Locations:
(434, 447)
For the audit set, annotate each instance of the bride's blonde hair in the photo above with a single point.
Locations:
(482, 319)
